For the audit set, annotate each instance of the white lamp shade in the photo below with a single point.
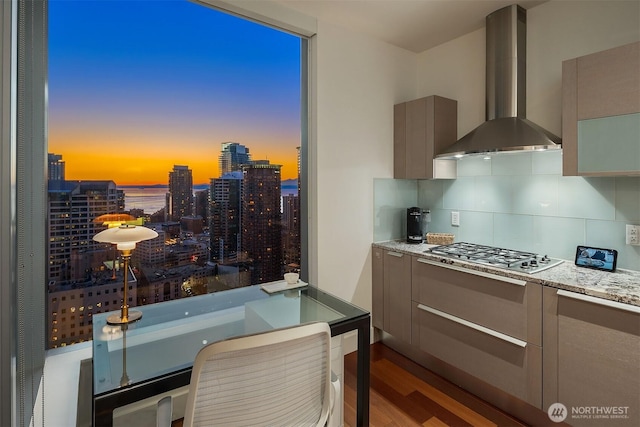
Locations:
(125, 236)
(123, 246)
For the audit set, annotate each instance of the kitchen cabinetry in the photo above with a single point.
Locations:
(423, 128)
(592, 358)
(601, 113)
(377, 288)
(391, 307)
(486, 325)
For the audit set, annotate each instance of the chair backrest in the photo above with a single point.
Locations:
(277, 378)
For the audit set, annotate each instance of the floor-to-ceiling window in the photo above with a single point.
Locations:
(176, 117)
(52, 198)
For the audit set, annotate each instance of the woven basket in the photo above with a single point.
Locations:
(440, 238)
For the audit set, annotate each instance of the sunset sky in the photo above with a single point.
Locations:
(137, 86)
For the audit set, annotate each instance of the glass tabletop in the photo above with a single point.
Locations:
(170, 334)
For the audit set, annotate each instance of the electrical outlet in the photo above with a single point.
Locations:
(632, 236)
(455, 219)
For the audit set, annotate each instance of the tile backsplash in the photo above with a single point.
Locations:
(518, 201)
(391, 198)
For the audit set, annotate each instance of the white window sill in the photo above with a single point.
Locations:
(60, 385)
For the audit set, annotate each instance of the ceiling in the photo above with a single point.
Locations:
(415, 25)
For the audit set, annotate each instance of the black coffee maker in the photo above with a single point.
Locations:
(416, 224)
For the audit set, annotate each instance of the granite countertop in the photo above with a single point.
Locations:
(621, 286)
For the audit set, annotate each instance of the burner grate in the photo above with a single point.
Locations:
(496, 257)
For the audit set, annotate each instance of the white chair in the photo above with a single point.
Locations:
(276, 378)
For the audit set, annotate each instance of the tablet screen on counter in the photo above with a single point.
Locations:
(598, 258)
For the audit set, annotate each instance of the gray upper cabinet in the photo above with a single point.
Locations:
(601, 113)
(423, 128)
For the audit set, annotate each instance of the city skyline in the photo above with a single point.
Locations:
(241, 236)
(140, 93)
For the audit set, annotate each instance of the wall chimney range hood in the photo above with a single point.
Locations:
(506, 128)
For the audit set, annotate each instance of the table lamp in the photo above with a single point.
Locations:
(114, 220)
(125, 238)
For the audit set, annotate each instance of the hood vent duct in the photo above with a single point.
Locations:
(506, 128)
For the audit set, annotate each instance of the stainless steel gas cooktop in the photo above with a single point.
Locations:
(525, 262)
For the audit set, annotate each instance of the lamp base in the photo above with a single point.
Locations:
(116, 319)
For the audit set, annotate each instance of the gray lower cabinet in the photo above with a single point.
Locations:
(592, 358)
(537, 343)
(486, 325)
(391, 307)
(377, 288)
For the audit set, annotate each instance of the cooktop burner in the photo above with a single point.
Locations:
(526, 262)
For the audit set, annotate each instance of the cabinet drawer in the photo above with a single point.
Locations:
(506, 305)
(509, 364)
(598, 356)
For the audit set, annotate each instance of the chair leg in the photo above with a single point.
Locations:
(164, 412)
(333, 421)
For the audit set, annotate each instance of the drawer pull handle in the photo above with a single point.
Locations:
(599, 301)
(496, 334)
(510, 280)
(396, 254)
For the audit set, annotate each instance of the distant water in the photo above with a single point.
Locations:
(152, 198)
(149, 199)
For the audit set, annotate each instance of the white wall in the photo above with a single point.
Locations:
(358, 80)
(561, 30)
(456, 70)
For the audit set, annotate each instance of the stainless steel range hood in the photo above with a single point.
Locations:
(506, 128)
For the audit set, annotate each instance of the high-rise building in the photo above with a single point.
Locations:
(79, 283)
(56, 167)
(291, 230)
(71, 306)
(191, 224)
(121, 198)
(151, 252)
(201, 208)
(73, 206)
(225, 214)
(261, 223)
(180, 192)
(187, 251)
(232, 157)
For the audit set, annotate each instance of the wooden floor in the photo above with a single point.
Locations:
(405, 394)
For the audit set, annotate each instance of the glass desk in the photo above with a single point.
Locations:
(155, 354)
